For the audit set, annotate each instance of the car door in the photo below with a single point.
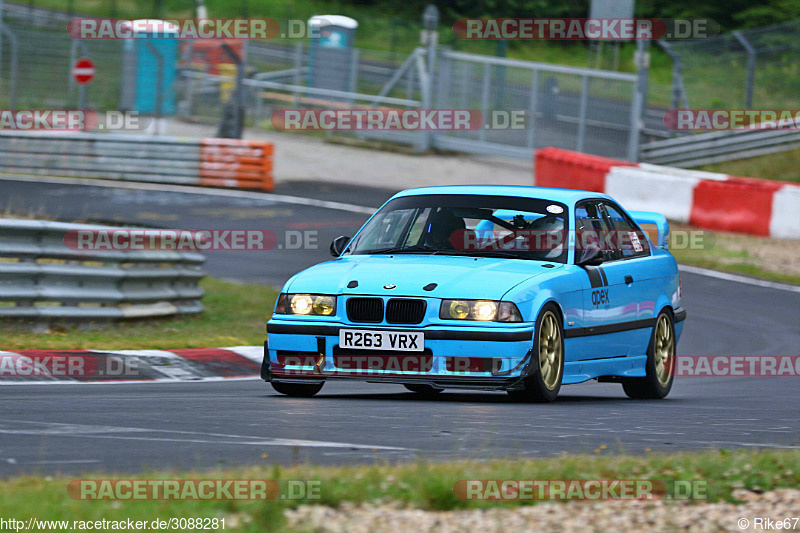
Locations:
(634, 255)
(610, 298)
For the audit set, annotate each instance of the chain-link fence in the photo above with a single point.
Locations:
(44, 54)
(579, 109)
(755, 68)
(586, 109)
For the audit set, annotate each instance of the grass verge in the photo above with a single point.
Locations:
(234, 315)
(420, 484)
(781, 166)
(759, 257)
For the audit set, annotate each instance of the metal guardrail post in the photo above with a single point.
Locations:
(430, 23)
(579, 142)
(13, 66)
(298, 65)
(531, 123)
(425, 85)
(485, 90)
(354, 58)
(751, 66)
(639, 98)
(410, 82)
(442, 81)
(466, 76)
(678, 96)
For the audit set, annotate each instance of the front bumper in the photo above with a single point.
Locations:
(465, 357)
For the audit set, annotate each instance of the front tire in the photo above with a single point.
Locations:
(548, 359)
(297, 390)
(660, 363)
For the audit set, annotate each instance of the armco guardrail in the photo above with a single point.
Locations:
(705, 199)
(41, 277)
(717, 146)
(211, 162)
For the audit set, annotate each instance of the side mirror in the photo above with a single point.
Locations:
(339, 245)
(590, 256)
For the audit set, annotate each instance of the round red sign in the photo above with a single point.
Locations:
(83, 70)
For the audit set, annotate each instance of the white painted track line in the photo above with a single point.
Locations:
(738, 279)
(188, 189)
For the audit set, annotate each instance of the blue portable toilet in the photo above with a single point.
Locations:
(141, 67)
(330, 54)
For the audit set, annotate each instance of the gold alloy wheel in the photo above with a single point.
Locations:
(550, 351)
(664, 350)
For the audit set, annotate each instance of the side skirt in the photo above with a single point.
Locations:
(580, 371)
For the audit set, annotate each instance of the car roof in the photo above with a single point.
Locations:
(565, 196)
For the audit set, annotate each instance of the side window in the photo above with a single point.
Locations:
(389, 230)
(415, 233)
(628, 238)
(592, 229)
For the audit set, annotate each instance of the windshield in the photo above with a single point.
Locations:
(474, 225)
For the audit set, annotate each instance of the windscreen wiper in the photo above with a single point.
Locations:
(405, 250)
(484, 253)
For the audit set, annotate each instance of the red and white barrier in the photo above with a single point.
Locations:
(24, 367)
(704, 199)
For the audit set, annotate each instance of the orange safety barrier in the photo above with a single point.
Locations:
(236, 163)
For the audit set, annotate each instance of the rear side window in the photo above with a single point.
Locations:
(629, 239)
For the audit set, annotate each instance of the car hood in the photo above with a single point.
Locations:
(454, 276)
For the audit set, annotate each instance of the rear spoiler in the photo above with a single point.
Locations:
(658, 220)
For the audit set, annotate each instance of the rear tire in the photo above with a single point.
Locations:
(426, 391)
(660, 363)
(544, 384)
(297, 390)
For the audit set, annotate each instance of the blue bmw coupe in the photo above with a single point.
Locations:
(522, 289)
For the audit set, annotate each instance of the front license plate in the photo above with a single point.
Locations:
(367, 339)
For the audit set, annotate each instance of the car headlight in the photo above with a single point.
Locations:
(305, 304)
(482, 310)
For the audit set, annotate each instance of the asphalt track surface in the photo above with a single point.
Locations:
(135, 427)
